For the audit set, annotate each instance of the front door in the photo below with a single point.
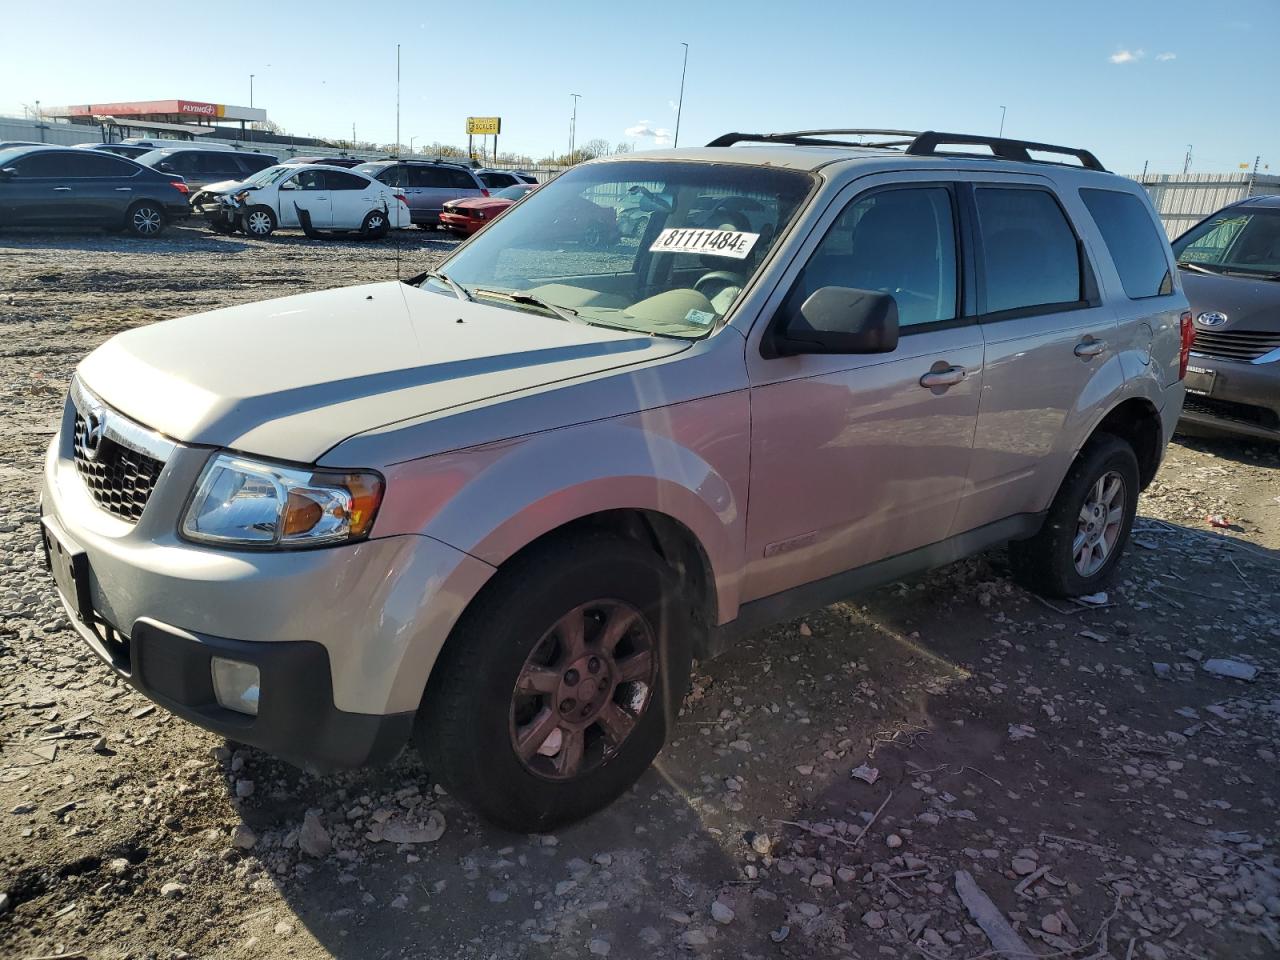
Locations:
(856, 458)
(305, 191)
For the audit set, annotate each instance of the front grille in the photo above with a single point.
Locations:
(1235, 344)
(119, 479)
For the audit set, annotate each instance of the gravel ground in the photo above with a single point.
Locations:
(829, 784)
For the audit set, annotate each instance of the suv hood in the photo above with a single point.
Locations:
(293, 377)
(1249, 304)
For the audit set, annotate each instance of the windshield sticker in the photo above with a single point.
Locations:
(719, 243)
(702, 318)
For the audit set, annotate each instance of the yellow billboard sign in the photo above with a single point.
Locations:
(484, 126)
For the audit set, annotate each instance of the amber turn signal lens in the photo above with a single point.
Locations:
(366, 496)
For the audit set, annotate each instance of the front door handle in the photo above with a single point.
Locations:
(944, 377)
(61, 189)
(1090, 347)
(124, 189)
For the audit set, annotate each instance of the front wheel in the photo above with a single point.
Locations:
(145, 219)
(556, 689)
(375, 225)
(259, 222)
(1087, 527)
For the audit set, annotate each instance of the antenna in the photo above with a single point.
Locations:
(397, 100)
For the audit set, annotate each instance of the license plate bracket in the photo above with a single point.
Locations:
(1200, 381)
(69, 565)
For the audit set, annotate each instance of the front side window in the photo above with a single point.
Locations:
(1237, 240)
(901, 242)
(1136, 248)
(310, 180)
(42, 165)
(1029, 251)
(706, 230)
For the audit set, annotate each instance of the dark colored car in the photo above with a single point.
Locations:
(130, 150)
(346, 162)
(499, 179)
(1230, 267)
(427, 185)
(66, 185)
(202, 166)
(10, 144)
(464, 217)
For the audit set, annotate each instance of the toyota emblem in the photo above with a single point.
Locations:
(95, 428)
(1212, 319)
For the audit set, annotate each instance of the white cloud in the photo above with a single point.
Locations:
(643, 128)
(1127, 56)
(1166, 56)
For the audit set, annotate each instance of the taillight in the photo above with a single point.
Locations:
(179, 186)
(484, 191)
(1188, 337)
(402, 198)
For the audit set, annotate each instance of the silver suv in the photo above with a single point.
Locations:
(427, 185)
(497, 509)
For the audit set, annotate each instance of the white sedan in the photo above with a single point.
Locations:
(316, 197)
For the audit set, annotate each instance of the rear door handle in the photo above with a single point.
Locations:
(1090, 348)
(61, 189)
(946, 377)
(124, 189)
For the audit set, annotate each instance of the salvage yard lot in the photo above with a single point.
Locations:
(1110, 795)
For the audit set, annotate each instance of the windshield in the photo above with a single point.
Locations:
(1234, 240)
(271, 174)
(8, 156)
(512, 193)
(661, 247)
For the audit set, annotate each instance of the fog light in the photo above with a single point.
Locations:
(235, 684)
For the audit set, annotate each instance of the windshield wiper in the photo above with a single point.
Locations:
(457, 289)
(567, 314)
(1188, 265)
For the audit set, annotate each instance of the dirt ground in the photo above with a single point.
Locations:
(1111, 795)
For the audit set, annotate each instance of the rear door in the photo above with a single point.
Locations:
(857, 458)
(430, 187)
(305, 191)
(351, 199)
(1051, 345)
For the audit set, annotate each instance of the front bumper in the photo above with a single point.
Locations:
(344, 637)
(1241, 398)
(462, 226)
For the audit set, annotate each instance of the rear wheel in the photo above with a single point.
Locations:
(259, 222)
(145, 219)
(375, 225)
(1088, 524)
(557, 687)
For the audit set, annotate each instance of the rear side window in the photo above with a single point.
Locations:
(95, 164)
(344, 181)
(391, 176)
(1136, 248)
(1029, 251)
(254, 163)
(900, 242)
(429, 177)
(462, 180)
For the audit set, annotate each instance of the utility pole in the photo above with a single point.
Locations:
(411, 139)
(573, 124)
(680, 103)
(1002, 112)
(40, 121)
(397, 100)
(1143, 181)
(1253, 175)
(251, 90)
(1186, 161)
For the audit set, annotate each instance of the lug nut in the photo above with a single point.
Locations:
(604, 684)
(593, 665)
(566, 706)
(571, 677)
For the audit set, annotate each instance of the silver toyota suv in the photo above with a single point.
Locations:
(497, 509)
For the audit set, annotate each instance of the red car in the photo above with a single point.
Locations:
(464, 217)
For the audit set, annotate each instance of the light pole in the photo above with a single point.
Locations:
(1186, 161)
(251, 90)
(1002, 111)
(680, 103)
(573, 124)
(411, 139)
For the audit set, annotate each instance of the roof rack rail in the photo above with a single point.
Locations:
(916, 143)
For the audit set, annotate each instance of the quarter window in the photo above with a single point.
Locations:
(1029, 251)
(1136, 248)
(900, 242)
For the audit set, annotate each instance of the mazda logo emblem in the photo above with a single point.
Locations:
(1212, 319)
(95, 429)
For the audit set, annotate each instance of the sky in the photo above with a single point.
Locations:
(1136, 81)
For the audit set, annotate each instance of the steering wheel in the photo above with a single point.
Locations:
(722, 278)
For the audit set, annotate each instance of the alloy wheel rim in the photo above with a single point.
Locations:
(1099, 523)
(583, 690)
(258, 222)
(146, 220)
(375, 223)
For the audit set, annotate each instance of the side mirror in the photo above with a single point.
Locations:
(840, 320)
(289, 185)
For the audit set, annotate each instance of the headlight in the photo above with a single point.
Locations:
(250, 503)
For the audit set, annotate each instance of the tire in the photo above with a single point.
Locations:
(1053, 562)
(258, 222)
(473, 718)
(375, 225)
(593, 236)
(145, 219)
(222, 227)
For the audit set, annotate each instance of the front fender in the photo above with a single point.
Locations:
(688, 461)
